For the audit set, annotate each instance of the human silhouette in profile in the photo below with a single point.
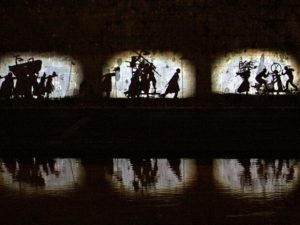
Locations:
(49, 84)
(106, 85)
(245, 85)
(260, 79)
(289, 72)
(7, 86)
(173, 86)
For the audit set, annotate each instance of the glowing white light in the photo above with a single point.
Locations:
(257, 178)
(68, 70)
(156, 176)
(226, 81)
(166, 64)
(66, 174)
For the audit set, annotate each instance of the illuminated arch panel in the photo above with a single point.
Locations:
(69, 71)
(166, 64)
(225, 79)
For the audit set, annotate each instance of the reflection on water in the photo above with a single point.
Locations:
(152, 176)
(149, 191)
(40, 175)
(257, 177)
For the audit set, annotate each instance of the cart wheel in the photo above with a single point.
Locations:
(276, 66)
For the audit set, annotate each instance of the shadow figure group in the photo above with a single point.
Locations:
(268, 82)
(23, 81)
(143, 79)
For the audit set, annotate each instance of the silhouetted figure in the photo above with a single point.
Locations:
(106, 85)
(149, 70)
(41, 88)
(28, 86)
(49, 85)
(260, 79)
(245, 85)
(173, 86)
(20, 86)
(26, 77)
(7, 86)
(145, 83)
(135, 85)
(277, 79)
(34, 84)
(289, 73)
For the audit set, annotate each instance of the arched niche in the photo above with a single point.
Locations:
(256, 72)
(39, 75)
(121, 69)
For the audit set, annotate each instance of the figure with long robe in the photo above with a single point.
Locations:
(173, 86)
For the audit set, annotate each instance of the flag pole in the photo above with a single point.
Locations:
(70, 76)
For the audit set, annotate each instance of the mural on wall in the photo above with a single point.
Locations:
(256, 72)
(144, 74)
(152, 176)
(34, 175)
(256, 177)
(35, 75)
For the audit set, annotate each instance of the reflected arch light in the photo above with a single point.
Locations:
(55, 176)
(152, 176)
(69, 70)
(166, 64)
(225, 79)
(256, 177)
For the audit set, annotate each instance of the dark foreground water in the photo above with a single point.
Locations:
(149, 191)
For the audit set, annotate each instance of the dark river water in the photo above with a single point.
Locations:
(149, 191)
